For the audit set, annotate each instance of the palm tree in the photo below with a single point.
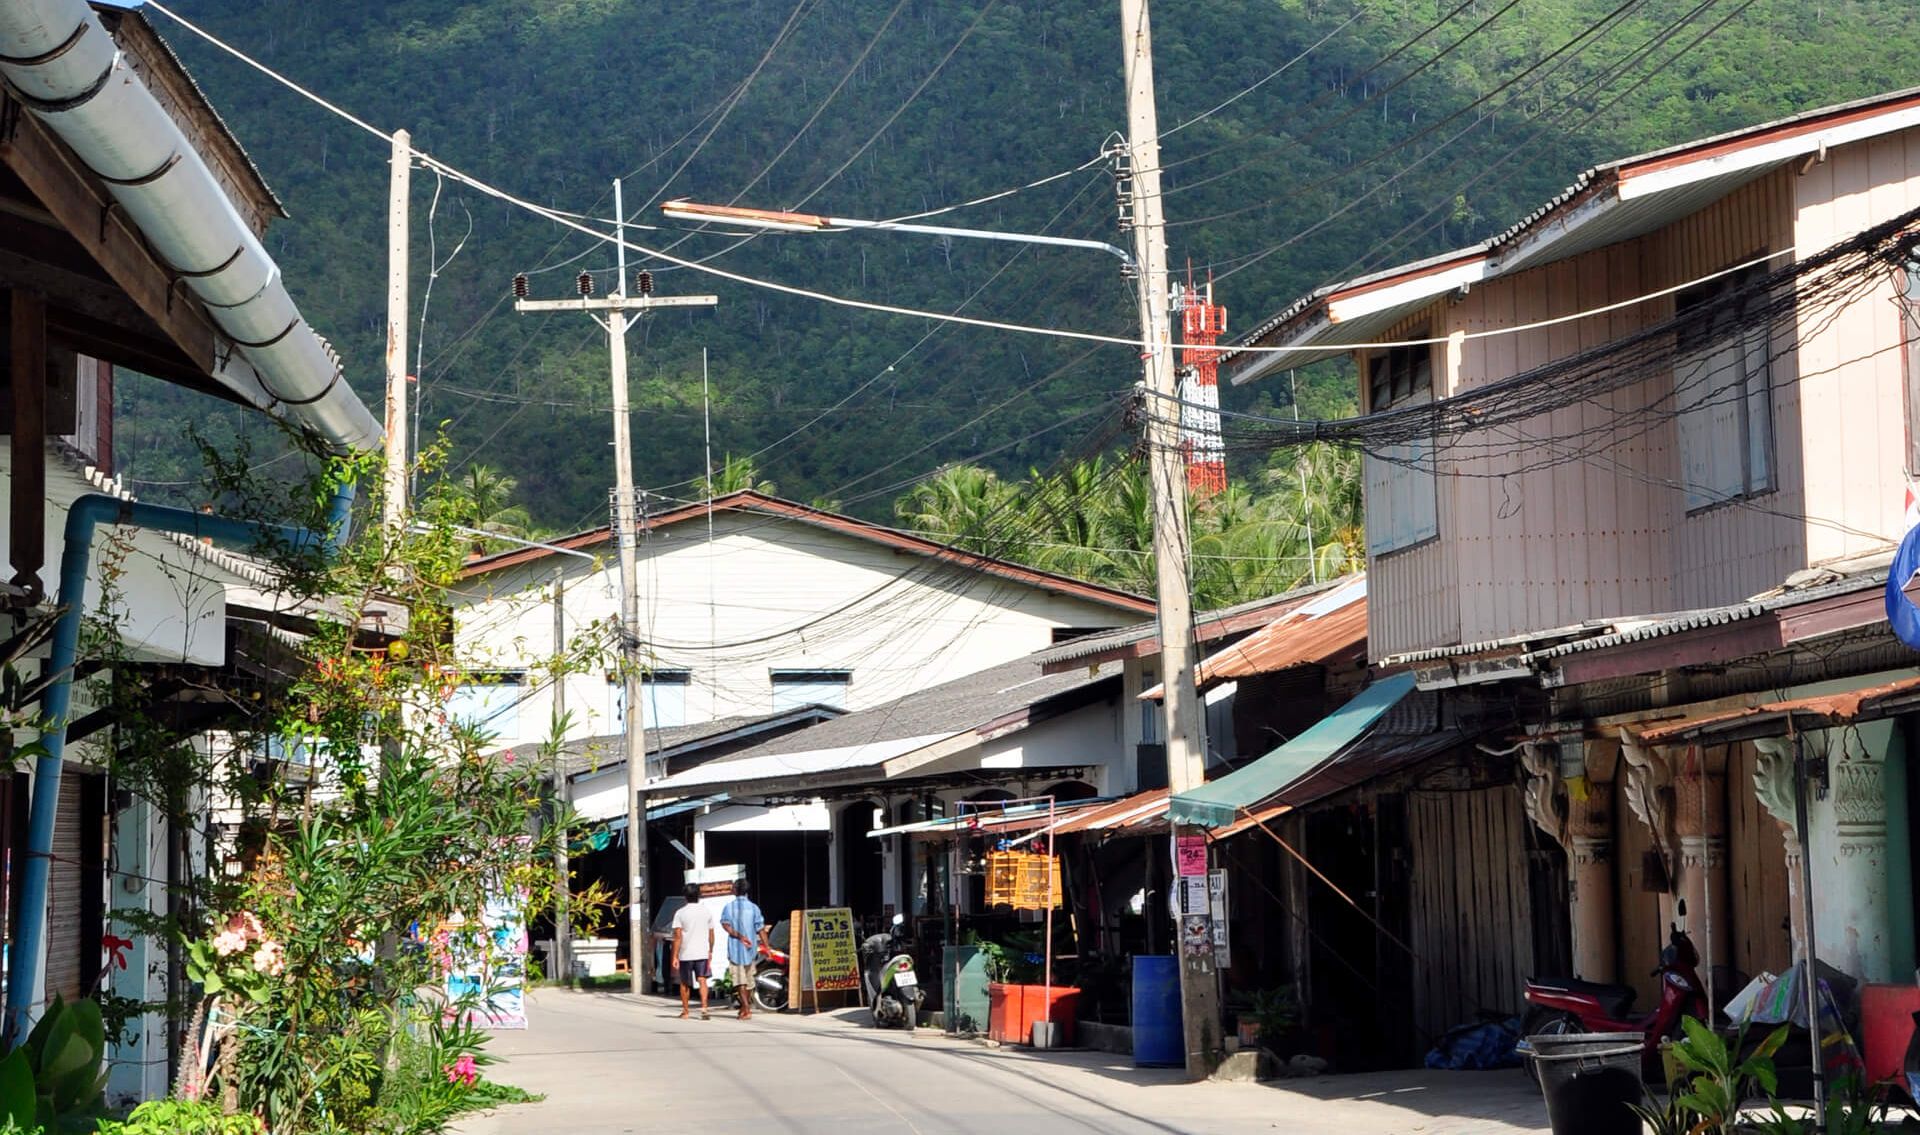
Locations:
(736, 475)
(964, 505)
(481, 498)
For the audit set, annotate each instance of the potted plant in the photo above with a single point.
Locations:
(1274, 1014)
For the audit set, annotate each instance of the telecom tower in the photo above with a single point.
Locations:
(1202, 324)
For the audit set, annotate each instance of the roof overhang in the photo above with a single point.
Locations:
(1361, 311)
(1605, 205)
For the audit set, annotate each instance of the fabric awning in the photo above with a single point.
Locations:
(1218, 803)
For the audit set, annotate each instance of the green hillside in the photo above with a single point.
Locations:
(551, 99)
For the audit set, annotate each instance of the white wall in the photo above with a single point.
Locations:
(794, 596)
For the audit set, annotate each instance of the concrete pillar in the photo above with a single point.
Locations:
(1773, 787)
(1850, 896)
(1590, 863)
(1569, 798)
(1700, 822)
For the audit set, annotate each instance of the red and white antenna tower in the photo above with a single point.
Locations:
(1202, 324)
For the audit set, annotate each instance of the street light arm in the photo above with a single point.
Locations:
(813, 222)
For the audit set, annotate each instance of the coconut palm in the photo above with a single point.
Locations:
(482, 498)
(736, 474)
(968, 506)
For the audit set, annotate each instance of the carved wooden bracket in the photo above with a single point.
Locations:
(1546, 797)
(1650, 795)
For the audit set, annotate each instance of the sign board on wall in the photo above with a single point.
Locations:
(832, 957)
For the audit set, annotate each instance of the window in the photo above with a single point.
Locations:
(665, 692)
(1723, 391)
(795, 688)
(491, 704)
(1402, 509)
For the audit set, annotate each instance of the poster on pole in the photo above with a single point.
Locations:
(833, 960)
(1190, 855)
(1217, 909)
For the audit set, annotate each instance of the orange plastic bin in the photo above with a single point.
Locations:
(1886, 1025)
(1013, 1009)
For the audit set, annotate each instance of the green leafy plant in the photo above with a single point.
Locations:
(183, 1117)
(1714, 1087)
(1277, 1011)
(55, 1080)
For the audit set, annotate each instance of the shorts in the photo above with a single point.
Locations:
(691, 971)
(742, 974)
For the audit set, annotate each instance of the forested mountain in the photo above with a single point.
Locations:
(1413, 125)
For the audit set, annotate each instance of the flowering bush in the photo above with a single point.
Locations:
(399, 823)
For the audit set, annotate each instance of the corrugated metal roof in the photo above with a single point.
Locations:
(1593, 212)
(1303, 637)
(1813, 712)
(1604, 634)
(1141, 639)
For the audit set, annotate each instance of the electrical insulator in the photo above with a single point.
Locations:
(520, 286)
(643, 282)
(586, 283)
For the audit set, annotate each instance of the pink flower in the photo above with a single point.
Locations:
(240, 929)
(270, 959)
(463, 1072)
(229, 942)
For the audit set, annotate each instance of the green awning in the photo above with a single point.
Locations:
(1217, 803)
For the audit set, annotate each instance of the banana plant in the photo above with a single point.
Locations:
(56, 1080)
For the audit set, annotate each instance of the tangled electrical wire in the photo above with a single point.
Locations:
(1515, 415)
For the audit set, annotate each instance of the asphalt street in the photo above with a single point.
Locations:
(611, 1064)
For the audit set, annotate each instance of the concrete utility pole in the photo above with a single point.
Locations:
(562, 871)
(1167, 478)
(627, 533)
(399, 177)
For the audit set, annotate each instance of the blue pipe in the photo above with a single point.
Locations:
(87, 514)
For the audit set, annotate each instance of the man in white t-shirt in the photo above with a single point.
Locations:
(692, 946)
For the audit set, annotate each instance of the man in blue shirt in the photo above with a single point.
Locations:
(746, 930)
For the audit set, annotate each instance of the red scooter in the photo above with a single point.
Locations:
(770, 980)
(1566, 1005)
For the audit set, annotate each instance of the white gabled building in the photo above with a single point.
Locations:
(753, 606)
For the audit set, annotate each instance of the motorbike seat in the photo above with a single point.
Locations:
(1614, 999)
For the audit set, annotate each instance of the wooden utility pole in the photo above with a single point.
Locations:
(399, 177)
(626, 530)
(562, 871)
(1167, 478)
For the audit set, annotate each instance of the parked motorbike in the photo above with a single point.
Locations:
(893, 988)
(770, 980)
(1567, 1005)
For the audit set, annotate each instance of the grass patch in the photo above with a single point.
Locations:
(488, 1094)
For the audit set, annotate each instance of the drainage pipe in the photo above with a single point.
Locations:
(61, 62)
(28, 961)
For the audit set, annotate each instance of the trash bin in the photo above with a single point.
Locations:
(1159, 1035)
(1589, 1079)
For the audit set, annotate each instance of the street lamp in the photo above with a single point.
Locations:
(777, 221)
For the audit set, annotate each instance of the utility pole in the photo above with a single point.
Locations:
(1167, 479)
(626, 529)
(562, 871)
(399, 177)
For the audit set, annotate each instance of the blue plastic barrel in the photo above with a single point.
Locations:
(1159, 1039)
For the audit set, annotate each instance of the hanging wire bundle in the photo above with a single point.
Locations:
(1515, 416)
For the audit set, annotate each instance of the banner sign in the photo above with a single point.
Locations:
(833, 959)
(485, 961)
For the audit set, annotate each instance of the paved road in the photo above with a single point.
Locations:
(609, 1064)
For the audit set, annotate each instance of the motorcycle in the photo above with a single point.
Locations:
(770, 980)
(893, 988)
(1563, 1006)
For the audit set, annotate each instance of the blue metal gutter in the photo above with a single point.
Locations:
(27, 961)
